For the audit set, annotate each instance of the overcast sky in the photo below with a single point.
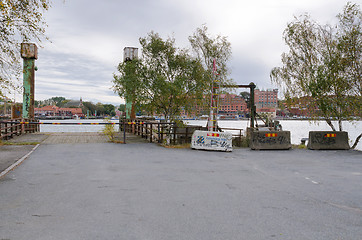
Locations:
(88, 37)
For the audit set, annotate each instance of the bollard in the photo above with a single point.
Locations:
(328, 140)
(269, 140)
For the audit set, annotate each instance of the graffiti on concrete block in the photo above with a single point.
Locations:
(322, 138)
(263, 139)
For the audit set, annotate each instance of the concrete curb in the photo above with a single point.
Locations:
(17, 163)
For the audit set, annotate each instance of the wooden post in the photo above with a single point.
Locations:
(124, 131)
(159, 134)
(252, 105)
(146, 130)
(162, 129)
(6, 130)
(142, 128)
(186, 139)
(151, 133)
(29, 52)
(174, 133)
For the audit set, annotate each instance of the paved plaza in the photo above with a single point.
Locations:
(144, 191)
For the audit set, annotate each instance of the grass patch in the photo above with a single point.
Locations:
(300, 146)
(19, 143)
(109, 131)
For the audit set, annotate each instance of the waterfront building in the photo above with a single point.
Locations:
(54, 111)
(232, 104)
(266, 101)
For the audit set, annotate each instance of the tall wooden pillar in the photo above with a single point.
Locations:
(29, 52)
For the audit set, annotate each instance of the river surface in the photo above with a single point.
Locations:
(298, 129)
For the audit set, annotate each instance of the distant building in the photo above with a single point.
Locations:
(232, 104)
(55, 111)
(229, 104)
(266, 101)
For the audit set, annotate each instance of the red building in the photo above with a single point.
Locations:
(232, 104)
(56, 111)
(266, 101)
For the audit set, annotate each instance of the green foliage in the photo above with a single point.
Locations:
(246, 97)
(167, 78)
(109, 131)
(109, 109)
(129, 84)
(99, 108)
(173, 78)
(207, 49)
(122, 107)
(323, 65)
(20, 21)
(57, 101)
(164, 80)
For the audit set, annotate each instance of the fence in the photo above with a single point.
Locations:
(161, 132)
(154, 131)
(10, 128)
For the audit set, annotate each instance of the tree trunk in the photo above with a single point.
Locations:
(329, 122)
(356, 141)
(340, 124)
(133, 111)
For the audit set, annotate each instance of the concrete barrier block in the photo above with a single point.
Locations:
(328, 140)
(216, 141)
(268, 140)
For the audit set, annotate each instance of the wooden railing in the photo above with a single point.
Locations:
(159, 132)
(14, 127)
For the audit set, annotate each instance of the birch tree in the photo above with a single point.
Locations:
(20, 21)
(324, 65)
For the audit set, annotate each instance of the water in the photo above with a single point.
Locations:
(75, 128)
(299, 129)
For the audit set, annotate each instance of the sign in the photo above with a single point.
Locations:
(215, 141)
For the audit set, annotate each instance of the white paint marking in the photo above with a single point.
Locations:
(357, 173)
(17, 163)
(307, 178)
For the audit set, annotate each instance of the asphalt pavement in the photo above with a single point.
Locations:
(23, 145)
(144, 191)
